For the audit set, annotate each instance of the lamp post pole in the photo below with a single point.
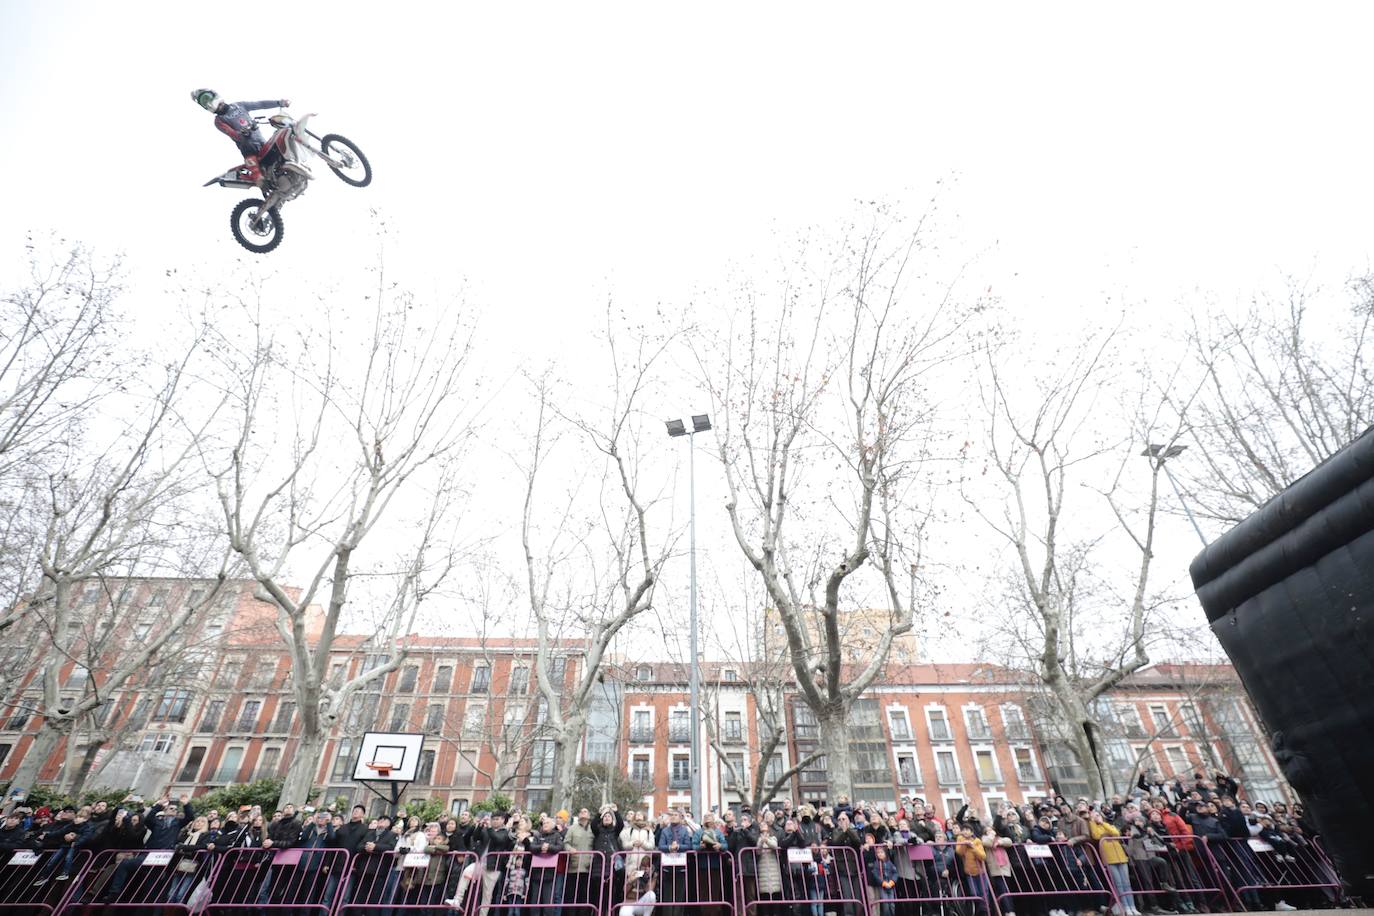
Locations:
(700, 424)
(695, 683)
(1162, 454)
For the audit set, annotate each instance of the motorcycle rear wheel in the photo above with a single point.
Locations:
(260, 238)
(359, 173)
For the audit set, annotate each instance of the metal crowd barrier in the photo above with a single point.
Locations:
(35, 883)
(298, 882)
(1061, 875)
(1173, 870)
(778, 881)
(126, 881)
(930, 877)
(534, 884)
(1256, 871)
(688, 883)
(404, 882)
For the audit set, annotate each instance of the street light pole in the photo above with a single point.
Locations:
(1163, 453)
(700, 424)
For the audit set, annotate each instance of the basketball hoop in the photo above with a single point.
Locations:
(381, 769)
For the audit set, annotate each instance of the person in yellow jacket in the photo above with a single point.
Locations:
(1114, 857)
(972, 856)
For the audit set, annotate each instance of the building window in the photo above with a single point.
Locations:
(730, 675)
(191, 768)
(481, 679)
(173, 706)
(1014, 723)
(740, 780)
(400, 716)
(458, 806)
(641, 726)
(374, 661)
(229, 765)
(263, 673)
(639, 769)
(907, 773)
(434, 718)
(947, 768)
(195, 596)
(473, 717)
(804, 723)
(269, 763)
(541, 762)
(679, 727)
(424, 773)
(519, 680)
(464, 773)
(286, 711)
(986, 765)
(17, 720)
(1025, 765)
(977, 723)
(160, 743)
(537, 799)
(901, 727)
(644, 673)
(228, 674)
(734, 727)
(558, 670)
(209, 720)
(364, 712)
(680, 776)
(1178, 761)
(406, 682)
(158, 598)
(773, 772)
(939, 727)
(79, 677)
(248, 716)
(952, 805)
(443, 680)
(141, 631)
(343, 762)
(1163, 723)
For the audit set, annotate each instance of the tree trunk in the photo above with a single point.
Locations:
(300, 775)
(44, 743)
(839, 779)
(1086, 744)
(565, 744)
(83, 768)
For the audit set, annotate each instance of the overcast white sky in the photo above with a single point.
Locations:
(549, 155)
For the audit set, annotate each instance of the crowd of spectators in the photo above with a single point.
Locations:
(1033, 857)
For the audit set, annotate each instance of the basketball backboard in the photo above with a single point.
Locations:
(393, 756)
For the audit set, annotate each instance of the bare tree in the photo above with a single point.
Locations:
(763, 672)
(1071, 619)
(1289, 384)
(822, 420)
(109, 517)
(335, 433)
(596, 572)
(57, 333)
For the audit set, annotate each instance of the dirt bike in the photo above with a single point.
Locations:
(280, 175)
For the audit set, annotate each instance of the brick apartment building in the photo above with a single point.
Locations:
(949, 733)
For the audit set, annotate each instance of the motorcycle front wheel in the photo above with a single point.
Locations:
(355, 170)
(258, 236)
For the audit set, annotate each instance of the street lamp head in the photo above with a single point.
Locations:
(1154, 450)
(675, 428)
(701, 422)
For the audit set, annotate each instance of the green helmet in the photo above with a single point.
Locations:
(206, 98)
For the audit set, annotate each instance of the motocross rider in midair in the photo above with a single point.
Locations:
(236, 120)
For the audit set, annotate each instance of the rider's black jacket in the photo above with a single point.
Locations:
(236, 120)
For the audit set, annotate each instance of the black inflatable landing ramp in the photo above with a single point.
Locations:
(1290, 594)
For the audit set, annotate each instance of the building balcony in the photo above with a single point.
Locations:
(979, 733)
(680, 782)
(641, 736)
(679, 735)
(732, 735)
